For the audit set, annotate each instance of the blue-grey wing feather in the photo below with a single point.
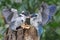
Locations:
(52, 9)
(47, 13)
(6, 12)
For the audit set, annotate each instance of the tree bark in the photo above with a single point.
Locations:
(21, 34)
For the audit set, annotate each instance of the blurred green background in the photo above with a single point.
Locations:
(51, 30)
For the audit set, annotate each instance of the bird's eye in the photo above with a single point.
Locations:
(22, 20)
(38, 22)
(35, 15)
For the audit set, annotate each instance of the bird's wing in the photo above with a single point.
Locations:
(12, 25)
(45, 17)
(52, 9)
(6, 12)
(47, 13)
(15, 13)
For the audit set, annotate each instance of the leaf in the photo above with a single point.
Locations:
(57, 30)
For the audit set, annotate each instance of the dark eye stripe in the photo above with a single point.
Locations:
(34, 15)
(26, 14)
(20, 15)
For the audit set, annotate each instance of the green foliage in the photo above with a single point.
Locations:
(51, 31)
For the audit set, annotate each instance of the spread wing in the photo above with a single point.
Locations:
(6, 12)
(9, 14)
(47, 13)
(52, 9)
(15, 13)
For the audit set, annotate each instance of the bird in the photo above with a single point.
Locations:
(38, 20)
(35, 21)
(15, 23)
(12, 18)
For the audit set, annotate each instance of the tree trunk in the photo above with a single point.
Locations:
(21, 34)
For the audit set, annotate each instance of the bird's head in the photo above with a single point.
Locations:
(25, 16)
